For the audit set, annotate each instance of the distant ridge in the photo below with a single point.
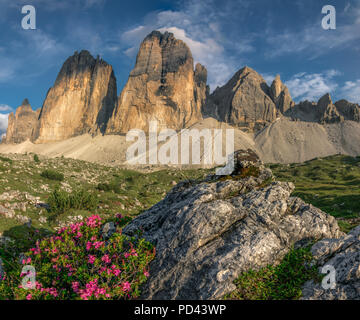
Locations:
(166, 86)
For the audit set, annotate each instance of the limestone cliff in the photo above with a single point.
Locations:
(163, 86)
(81, 100)
(350, 111)
(325, 111)
(22, 124)
(281, 95)
(244, 101)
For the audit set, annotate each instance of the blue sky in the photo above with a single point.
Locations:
(272, 36)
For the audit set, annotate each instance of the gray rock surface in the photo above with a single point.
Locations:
(108, 230)
(207, 233)
(243, 101)
(325, 111)
(344, 255)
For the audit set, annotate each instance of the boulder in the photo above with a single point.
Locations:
(207, 233)
(7, 212)
(343, 255)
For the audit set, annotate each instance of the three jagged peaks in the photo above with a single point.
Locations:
(164, 86)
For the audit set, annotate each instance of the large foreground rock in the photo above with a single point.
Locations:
(344, 255)
(206, 234)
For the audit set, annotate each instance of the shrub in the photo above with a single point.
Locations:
(36, 158)
(77, 264)
(60, 201)
(282, 282)
(4, 159)
(52, 175)
(103, 187)
(109, 187)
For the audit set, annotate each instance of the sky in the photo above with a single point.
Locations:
(271, 36)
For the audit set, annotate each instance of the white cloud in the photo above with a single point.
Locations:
(351, 91)
(312, 86)
(6, 73)
(43, 42)
(3, 123)
(5, 108)
(313, 41)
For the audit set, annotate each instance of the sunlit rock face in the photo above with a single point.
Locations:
(21, 124)
(163, 86)
(281, 95)
(81, 101)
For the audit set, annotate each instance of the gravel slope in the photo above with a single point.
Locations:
(283, 141)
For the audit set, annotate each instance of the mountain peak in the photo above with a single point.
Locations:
(25, 102)
(164, 77)
(281, 95)
(325, 100)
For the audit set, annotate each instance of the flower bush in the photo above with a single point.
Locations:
(78, 263)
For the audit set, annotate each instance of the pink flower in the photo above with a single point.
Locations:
(106, 259)
(116, 272)
(29, 296)
(75, 286)
(98, 244)
(93, 221)
(126, 286)
(91, 259)
(146, 274)
(88, 245)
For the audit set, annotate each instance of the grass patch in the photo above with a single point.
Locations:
(331, 184)
(282, 282)
(4, 159)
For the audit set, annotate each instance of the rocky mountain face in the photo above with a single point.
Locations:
(248, 102)
(325, 111)
(163, 86)
(22, 124)
(206, 234)
(81, 100)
